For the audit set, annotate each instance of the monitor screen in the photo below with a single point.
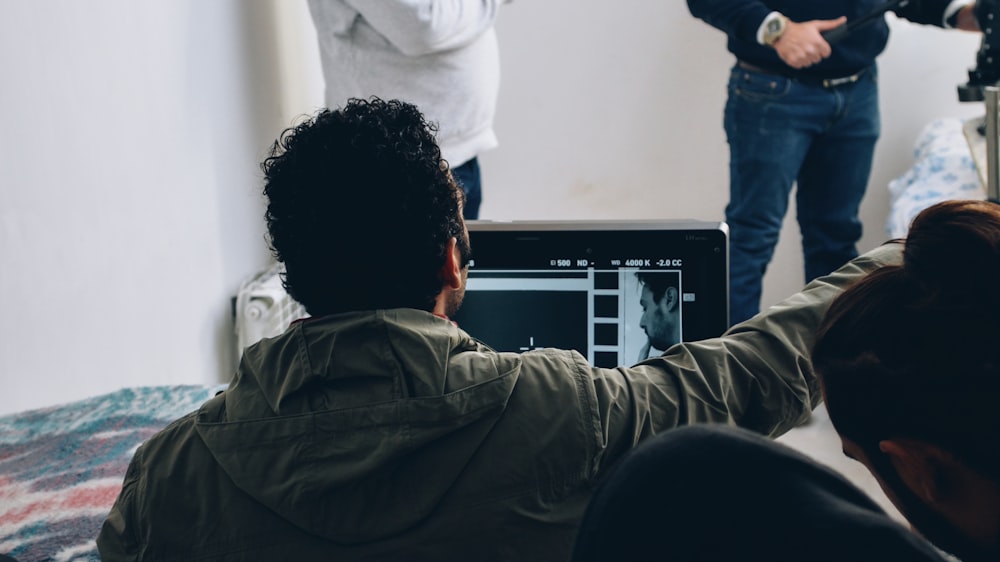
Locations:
(616, 291)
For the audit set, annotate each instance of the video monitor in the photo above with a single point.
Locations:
(616, 291)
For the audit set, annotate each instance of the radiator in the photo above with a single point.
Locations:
(263, 308)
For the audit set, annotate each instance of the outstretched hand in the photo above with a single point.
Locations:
(802, 44)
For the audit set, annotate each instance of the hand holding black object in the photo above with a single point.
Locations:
(802, 44)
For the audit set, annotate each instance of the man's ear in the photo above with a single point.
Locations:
(919, 465)
(670, 299)
(451, 270)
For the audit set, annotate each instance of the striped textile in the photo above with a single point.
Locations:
(61, 468)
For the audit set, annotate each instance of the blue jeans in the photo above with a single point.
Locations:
(467, 176)
(783, 132)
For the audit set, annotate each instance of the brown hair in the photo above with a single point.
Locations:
(913, 350)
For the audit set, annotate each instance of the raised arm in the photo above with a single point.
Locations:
(941, 13)
(420, 27)
(757, 375)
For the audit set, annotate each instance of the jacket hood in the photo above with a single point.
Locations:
(355, 426)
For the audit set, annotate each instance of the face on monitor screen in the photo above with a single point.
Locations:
(616, 292)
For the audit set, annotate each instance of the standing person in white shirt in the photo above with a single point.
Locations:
(440, 55)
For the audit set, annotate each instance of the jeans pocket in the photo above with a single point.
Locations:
(757, 86)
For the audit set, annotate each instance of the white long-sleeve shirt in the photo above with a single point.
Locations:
(440, 55)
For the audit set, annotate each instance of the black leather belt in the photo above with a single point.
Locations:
(824, 82)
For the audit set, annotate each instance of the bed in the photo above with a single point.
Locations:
(61, 468)
(945, 167)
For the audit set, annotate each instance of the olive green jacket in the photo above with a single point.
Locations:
(393, 435)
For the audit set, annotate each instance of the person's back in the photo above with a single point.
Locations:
(712, 493)
(379, 430)
(342, 439)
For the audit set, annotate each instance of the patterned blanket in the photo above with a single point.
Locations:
(61, 468)
(943, 169)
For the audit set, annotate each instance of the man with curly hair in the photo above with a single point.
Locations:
(377, 429)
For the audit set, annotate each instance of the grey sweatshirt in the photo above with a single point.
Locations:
(440, 55)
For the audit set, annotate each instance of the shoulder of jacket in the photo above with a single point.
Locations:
(890, 253)
(169, 438)
(550, 356)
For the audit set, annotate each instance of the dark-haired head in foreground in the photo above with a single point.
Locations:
(713, 493)
(363, 211)
(909, 359)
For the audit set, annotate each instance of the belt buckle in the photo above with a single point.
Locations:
(834, 82)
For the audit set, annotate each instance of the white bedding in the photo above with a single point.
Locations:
(944, 169)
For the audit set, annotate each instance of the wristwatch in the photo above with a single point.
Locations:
(774, 26)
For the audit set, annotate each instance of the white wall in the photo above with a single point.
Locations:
(129, 196)
(131, 131)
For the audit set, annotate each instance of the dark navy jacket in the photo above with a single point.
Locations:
(740, 19)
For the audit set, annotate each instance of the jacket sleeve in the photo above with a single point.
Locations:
(738, 18)
(757, 375)
(420, 27)
(927, 12)
(116, 541)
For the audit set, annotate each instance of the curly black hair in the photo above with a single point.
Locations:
(361, 207)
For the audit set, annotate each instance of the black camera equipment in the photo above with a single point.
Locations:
(987, 69)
